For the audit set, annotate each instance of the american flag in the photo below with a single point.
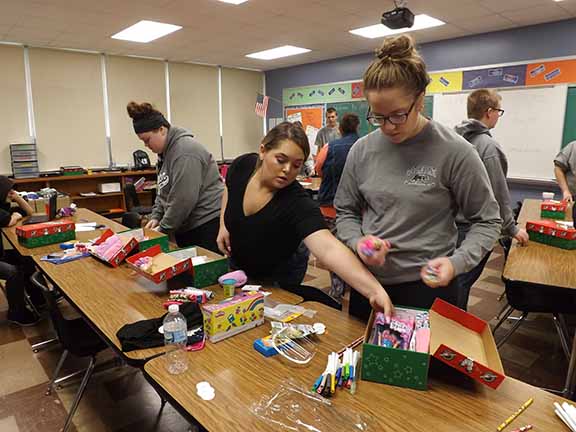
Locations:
(261, 105)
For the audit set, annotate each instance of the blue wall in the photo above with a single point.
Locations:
(520, 44)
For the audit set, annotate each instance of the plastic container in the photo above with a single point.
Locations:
(229, 286)
(175, 337)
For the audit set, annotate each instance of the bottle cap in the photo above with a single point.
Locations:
(173, 308)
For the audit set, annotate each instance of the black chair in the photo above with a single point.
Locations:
(535, 298)
(76, 338)
(133, 217)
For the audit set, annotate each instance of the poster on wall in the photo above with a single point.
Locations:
(321, 93)
(445, 82)
(557, 72)
(309, 115)
(505, 76)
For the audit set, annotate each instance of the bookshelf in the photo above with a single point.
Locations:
(74, 185)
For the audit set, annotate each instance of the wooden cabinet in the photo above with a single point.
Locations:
(104, 203)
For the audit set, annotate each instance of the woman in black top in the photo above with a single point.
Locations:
(266, 215)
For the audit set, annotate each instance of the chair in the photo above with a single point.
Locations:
(76, 338)
(133, 217)
(535, 298)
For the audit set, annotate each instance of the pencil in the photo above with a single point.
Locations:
(516, 414)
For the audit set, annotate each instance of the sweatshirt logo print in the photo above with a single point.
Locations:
(163, 180)
(422, 175)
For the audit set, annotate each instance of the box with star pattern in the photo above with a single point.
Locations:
(558, 234)
(457, 338)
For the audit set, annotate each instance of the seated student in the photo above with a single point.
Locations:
(404, 183)
(266, 215)
(330, 162)
(14, 273)
(484, 111)
(189, 185)
(565, 171)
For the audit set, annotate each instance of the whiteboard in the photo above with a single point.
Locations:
(530, 132)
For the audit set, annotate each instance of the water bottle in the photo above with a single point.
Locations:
(175, 336)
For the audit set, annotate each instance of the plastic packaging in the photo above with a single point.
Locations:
(293, 408)
(175, 337)
(287, 312)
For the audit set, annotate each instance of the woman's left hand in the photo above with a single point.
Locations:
(444, 272)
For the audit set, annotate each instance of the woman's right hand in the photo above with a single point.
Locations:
(567, 196)
(223, 241)
(378, 256)
(152, 223)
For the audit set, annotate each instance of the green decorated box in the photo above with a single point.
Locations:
(557, 234)
(46, 233)
(147, 238)
(553, 209)
(207, 266)
(457, 338)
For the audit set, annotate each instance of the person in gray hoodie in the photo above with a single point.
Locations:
(404, 183)
(190, 190)
(484, 111)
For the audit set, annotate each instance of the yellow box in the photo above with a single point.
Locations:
(228, 318)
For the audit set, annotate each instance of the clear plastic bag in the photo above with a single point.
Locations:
(293, 408)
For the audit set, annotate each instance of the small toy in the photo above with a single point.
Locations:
(370, 246)
(238, 277)
(431, 274)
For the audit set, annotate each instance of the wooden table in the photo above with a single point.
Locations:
(546, 266)
(241, 376)
(538, 263)
(109, 298)
(82, 215)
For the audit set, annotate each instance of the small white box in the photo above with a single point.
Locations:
(109, 188)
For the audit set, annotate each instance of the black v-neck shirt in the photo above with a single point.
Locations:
(264, 240)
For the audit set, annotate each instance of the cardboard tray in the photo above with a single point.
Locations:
(164, 266)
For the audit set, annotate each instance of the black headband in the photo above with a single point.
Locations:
(151, 122)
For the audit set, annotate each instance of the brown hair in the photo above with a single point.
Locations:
(331, 110)
(480, 100)
(145, 110)
(349, 123)
(285, 131)
(397, 64)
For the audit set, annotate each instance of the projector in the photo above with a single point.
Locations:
(398, 18)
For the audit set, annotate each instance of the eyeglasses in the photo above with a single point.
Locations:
(395, 119)
(499, 111)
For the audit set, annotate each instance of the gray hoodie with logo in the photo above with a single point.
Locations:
(189, 184)
(494, 159)
(409, 194)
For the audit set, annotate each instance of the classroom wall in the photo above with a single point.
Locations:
(65, 106)
(526, 43)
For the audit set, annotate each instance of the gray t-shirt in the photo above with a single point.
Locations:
(326, 135)
(566, 161)
(409, 194)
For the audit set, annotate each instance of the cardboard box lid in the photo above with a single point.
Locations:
(552, 228)
(45, 228)
(464, 342)
(556, 206)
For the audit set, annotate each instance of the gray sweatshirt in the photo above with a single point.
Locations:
(496, 164)
(409, 193)
(189, 185)
(325, 135)
(566, 161)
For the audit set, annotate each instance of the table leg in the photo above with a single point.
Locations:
(568, 392)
